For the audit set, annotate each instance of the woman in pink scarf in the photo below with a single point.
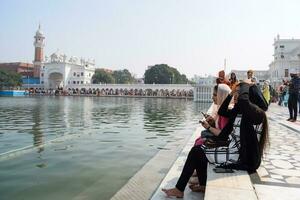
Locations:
(220, 93)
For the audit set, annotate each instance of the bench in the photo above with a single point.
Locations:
(237, 185)
(223, 186)
(220, 186)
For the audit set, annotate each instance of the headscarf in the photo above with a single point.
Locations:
(267, 82)
(222, 93)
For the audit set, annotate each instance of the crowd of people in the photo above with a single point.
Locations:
(181, 93)
(237, 103)
(289, 95)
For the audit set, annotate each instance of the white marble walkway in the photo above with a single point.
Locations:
(279, 174)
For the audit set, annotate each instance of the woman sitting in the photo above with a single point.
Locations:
(215, 124)
(251, 149)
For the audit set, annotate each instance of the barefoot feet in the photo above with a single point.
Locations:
(174, 192)
(197, 188)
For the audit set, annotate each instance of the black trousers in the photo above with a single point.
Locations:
(292, 105)
(299, 102)
(196, 160)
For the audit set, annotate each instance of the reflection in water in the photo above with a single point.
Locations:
(96, 145)
(42, 165)
(36, 129)
(117, 111)
(198, 106)
(162, 115)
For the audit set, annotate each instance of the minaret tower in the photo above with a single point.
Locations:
(38, 52)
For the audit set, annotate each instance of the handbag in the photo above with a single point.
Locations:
(211, 143)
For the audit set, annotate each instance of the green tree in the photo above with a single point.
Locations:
(178, 78)
(10, 79)
(163, 74)
(123, 76)
(102, 76)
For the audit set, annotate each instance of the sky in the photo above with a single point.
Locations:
(194, 36)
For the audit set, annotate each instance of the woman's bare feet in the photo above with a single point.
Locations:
(197, 188)
(173, 192)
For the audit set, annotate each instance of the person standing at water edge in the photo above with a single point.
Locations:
(294, 87)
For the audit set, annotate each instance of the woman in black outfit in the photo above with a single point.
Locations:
(251, 149)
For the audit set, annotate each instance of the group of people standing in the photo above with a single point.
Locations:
(288, 92)
(232, 100)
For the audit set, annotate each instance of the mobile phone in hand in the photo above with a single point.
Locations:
(204, 115)
(223, 170)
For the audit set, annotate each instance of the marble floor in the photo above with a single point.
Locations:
(280, 168)
(279, 174)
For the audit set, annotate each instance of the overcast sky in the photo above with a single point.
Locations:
(194, 36)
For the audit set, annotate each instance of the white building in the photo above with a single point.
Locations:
(208, 80)
(203, 89)
(286, 56)
(59, 71)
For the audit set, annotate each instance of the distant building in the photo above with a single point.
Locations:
(286, 56)
(209, 80)
(203, 89)
(25, 69)
(38, 51)
(60, 71)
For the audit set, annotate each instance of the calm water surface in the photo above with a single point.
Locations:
(84, 146)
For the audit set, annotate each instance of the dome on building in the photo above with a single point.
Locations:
(39, 31)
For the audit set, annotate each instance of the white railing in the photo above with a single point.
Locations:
(203, 93)
(120, 86)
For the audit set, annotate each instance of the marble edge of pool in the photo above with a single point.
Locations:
(148, 179)
(146, 183)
